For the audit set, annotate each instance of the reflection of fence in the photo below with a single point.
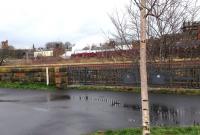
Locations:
(176, 74)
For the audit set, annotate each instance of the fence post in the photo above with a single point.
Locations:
(47, 76)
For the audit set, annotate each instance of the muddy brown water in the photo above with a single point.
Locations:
(76, 112)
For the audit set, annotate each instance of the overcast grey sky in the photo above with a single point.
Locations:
(28, 22)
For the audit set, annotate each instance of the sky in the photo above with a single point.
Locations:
(82, 22)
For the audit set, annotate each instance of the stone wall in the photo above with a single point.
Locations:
(105, 74)
(57, 75)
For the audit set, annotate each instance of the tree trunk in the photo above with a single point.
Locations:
(143, 71)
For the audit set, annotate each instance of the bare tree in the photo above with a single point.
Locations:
(6, 51)
(68, 46)
(143, 71)
(164, 21)
(164, 17)
(86, 47)
(57, 47)
(54, 44)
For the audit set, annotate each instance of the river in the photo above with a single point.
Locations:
(74, 112)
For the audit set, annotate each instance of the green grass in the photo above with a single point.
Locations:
(177, 91)
(154, 131)
(20, 85)
(42, 86)
(105, 88)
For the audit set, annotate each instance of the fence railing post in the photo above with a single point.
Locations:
(47, 76)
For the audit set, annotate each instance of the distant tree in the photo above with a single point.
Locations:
(6, 52)
(95, 47)
(57, 47)
(55, 44)
(86, 47)
(19, 53)
(58, 50)
(68, 46)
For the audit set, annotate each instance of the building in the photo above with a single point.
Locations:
(43, 53)
(192, 28)
(4, 44)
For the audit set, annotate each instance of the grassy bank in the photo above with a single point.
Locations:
(43, 86)
(178, 91)
(154, 131)
(105, 88)
(19, 85)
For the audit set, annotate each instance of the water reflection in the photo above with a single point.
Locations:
(88, 111)
(162, 113)
(93, 99)
(135, 107)
(57, 97)
(2, 100)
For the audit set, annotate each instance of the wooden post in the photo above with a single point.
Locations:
(143, 71)
(47, 76)
(57, 77)
(27, 59)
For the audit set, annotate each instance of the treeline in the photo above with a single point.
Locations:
(13, 53)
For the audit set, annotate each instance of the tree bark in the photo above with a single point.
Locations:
(143, 71)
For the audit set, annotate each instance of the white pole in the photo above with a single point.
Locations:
(47, 75)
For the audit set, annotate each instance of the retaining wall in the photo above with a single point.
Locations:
(187, 76)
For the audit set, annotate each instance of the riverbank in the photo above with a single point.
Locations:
(195, 130)
(20, 85)
(43, 86)
(177, 91)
